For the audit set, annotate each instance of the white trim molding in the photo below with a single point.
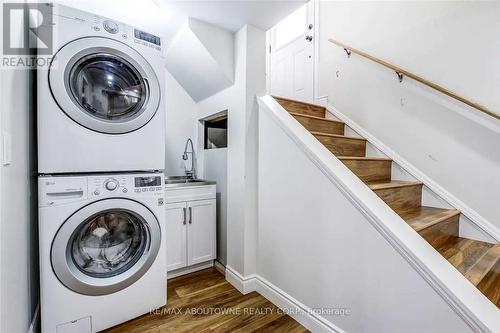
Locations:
(244, 284)
(189, 269)
(476, 218)
(220, 267)
(303, 314)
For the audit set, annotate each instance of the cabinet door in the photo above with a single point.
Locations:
(176, 235)
(201, 231)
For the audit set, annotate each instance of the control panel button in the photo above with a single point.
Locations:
(97, 192)
(124, 190)
(111, 27)
(111, 184)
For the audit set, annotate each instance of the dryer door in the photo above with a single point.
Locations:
(104, 85)
(105, 246)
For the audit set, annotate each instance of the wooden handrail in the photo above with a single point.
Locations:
(415, 77)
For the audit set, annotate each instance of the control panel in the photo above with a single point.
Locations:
(65, 189)
(121, 185)
(125, 32)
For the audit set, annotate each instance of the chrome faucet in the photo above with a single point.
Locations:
(190, 173)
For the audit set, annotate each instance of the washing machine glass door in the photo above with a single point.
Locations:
(105, 246)
(104, 85)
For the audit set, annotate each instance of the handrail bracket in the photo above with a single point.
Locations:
(348, 52)
(400, 76)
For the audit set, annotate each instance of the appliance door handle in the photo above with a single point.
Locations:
(184, 220)
(190, 215)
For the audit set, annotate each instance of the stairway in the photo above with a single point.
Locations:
(478, 261)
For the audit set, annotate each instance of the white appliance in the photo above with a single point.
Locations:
(102, 249)
(101, 102)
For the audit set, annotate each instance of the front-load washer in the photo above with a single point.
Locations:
(102, 249)
(101, 101)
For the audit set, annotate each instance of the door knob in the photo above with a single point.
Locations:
(309, 38)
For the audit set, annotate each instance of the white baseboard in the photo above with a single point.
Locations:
(244, 285)
(220, 267)
(478, 220)
(298, 311)
(35, 320)
(189, 269)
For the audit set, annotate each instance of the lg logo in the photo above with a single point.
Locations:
(27, 29)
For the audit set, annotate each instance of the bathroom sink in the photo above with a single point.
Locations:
(179, 181)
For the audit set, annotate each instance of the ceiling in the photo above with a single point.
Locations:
(165, 17)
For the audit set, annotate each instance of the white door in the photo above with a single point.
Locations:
(291, 56)
(201, 231)
(176, 235)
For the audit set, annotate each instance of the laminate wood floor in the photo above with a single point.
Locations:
(205, 302)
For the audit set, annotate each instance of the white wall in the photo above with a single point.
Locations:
(201, 59)
(219, 42)
(181, 124)
(215, 169)
(451, 43)
(18, 262)
(240, 102)
(318, 247)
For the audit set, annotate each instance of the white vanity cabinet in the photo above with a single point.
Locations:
(191, 225)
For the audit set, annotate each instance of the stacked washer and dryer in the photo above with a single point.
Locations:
(101, 128)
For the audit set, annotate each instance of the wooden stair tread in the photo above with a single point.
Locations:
(425, 217)
(368, 169)
(490, 284)
(336, 136)
(295, 114)
(484, 265)
(463, 253)
(374, 186)
(340, 144)
(363, 158)
(297, 102)
(301, 107)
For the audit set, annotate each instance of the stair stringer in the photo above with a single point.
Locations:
(314, 198)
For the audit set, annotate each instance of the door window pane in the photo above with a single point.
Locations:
(108, 243)
(291, 27)
(107, 87)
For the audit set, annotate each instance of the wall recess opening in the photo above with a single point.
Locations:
(215, 131)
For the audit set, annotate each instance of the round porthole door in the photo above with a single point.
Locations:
(105, 246)
(104, 85)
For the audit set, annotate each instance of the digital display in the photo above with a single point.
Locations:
(147, 37)
(147, 181)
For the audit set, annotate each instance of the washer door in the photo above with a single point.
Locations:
(104, 85)
(105, 246)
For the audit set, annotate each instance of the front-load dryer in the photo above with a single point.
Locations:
(101, 101)
(102, 249)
